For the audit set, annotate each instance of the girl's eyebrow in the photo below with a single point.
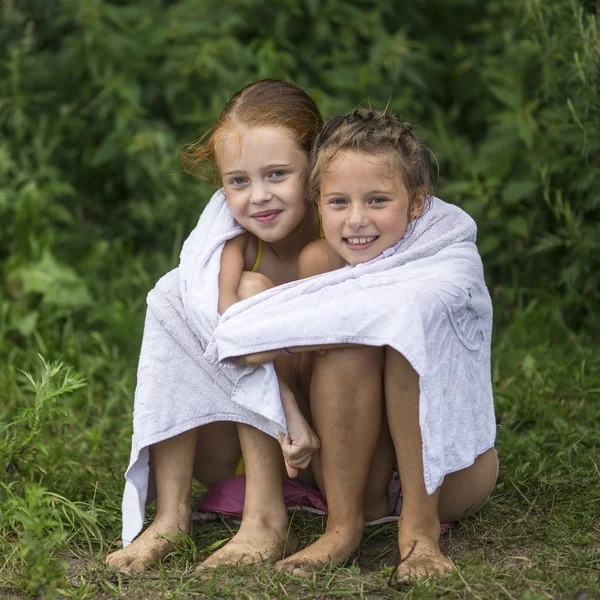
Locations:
(265, 168)
(278, 165)
(370, 193)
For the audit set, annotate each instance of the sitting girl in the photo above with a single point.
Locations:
(183, 405)
(405, 324)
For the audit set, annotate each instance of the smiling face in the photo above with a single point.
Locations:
(264, 178)
(364, 205)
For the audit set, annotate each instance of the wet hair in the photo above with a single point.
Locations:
(378, 133)
(264, 103)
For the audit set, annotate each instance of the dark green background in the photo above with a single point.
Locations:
(97, 98)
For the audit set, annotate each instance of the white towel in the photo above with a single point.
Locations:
(178, 388)
(426, 298)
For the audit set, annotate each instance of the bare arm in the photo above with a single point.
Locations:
(316, 258)
(300, 443)
(232, 266)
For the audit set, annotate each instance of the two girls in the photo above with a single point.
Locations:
(370, 179)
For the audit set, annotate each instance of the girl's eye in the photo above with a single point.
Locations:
(237, 180)
(337, 201)
(378, 200)
(278, 174)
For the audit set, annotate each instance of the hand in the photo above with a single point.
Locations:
(298, 446)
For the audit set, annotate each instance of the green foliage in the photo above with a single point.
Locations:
(23, 438)
(97, 98)
(38, 519)
(528, 164)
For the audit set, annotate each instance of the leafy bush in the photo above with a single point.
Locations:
(528, 168)
(98, 98)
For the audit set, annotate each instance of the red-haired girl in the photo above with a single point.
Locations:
(260, 147)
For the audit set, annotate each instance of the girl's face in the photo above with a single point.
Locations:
(264, 178)
(364, 205)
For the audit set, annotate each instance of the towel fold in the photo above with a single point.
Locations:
(425, 297)
(177, 387)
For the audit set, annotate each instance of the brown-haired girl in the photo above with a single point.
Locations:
(260, 148)
(371, 181)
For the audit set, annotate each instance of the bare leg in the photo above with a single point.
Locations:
(264, 535)
(382, 463)
(419, 526)
(210, 455)
(346, 408)
(173, 463)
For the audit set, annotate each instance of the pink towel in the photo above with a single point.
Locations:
(227, 497)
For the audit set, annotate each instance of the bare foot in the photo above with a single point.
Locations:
(334, 547)
(257, 541)
(420, 556)
(152, 545)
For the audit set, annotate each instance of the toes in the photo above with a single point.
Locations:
(302, 572)
(295, 568)
(216, 560)
(284, 566)
(110, 560)
(125, 566)
(407, 574)
(114, 561)
(138, 566)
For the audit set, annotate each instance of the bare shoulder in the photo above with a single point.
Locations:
(244, 244)
(318, 257)
(239, 241)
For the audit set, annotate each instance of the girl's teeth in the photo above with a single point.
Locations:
(362, 240)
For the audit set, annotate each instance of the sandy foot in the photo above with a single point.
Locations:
(255, 542)
(334, 547)
(420, 557)
(152, 545)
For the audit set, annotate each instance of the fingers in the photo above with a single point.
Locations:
(291, 471)
(296, 456)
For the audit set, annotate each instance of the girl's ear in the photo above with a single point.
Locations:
(418, 204)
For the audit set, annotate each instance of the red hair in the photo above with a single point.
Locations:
(264, 103)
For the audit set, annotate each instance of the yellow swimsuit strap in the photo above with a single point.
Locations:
(259, 250)
(321, 232)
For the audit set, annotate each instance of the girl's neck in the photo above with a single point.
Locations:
(308, 230)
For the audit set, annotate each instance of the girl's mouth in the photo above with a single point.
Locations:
(266, 216)
(360, 243)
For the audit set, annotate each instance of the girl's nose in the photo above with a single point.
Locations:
(357, 217)
(260, 194)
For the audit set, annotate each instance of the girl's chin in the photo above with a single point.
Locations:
(356, 258)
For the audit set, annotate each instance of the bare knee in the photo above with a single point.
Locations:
(351, 362)
(252, 284)
(398, 363)
(464, 492)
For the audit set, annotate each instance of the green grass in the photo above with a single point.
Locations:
(65, 443)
